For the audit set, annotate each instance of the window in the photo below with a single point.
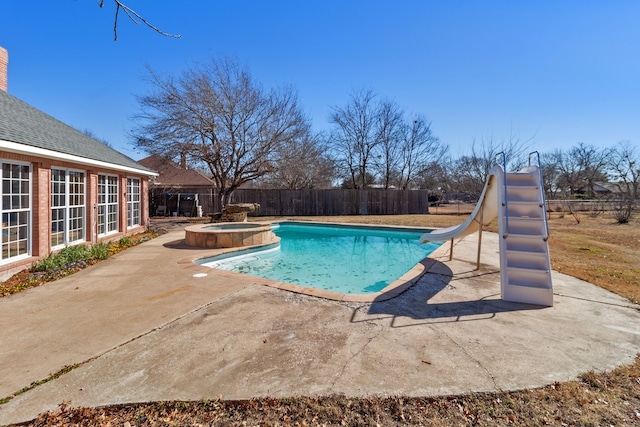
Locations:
(16, 211)
(133, 202)
(67, 207)
(107, 204)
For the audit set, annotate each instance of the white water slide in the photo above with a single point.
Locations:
(516, 199)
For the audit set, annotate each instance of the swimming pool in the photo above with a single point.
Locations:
(339, 258)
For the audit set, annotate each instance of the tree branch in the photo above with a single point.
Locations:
(134, 17)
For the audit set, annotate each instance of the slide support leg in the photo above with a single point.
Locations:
(480, 222)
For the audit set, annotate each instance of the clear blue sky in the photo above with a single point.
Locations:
(560, 72)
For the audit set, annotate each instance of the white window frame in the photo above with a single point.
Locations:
(134, 202)
(108, 204)
(68, 207)
(8, 214)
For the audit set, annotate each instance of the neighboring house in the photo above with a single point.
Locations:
(601, 188)
(178, 189)
(60, 187)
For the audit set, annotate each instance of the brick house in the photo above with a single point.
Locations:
(177, 188)
(60, 187)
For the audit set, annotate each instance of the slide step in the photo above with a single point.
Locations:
(527, 295)
(528, 277)
(525, 243)
(527, 226)
(523, 193)
(521, 179)
(521, 209)
(527, 259)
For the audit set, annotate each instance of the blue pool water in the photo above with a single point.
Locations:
(347, 259)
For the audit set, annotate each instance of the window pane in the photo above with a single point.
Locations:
(67, 191)
(108, 204)
(16, 188)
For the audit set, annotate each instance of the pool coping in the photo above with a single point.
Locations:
(394, 289)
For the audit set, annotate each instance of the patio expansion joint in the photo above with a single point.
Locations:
(68, 368)
(357, 353)
(464, 350)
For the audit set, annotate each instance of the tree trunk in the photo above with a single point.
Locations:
(225, 196)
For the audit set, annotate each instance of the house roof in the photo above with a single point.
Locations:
(602, 187)
(27, 130)
(173, 175)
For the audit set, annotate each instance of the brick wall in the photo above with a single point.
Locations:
(4, 66)
(41, 212)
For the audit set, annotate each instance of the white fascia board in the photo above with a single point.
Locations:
(14, 147)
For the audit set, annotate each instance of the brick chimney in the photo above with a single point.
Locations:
(4, 65)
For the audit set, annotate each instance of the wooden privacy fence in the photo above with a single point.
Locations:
(275, 202)
(307, 202)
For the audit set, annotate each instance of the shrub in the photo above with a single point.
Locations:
(49, 263)
(100, 251)
(125, 242)
(72, 254)
(62, 259)
(623, 210)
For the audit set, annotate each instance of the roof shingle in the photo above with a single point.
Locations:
(172, 175)
(23, 124)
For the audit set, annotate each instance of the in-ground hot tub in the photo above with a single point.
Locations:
(229, 234)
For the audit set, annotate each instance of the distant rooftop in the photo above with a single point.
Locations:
(173, 175)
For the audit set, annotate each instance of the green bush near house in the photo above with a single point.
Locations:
(62, 259)
(125, 242)
(100, 251)
(73, 254)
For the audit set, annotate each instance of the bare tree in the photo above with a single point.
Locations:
(388, 128)
(437, 176)
(569, 179)
(374, 140)
(550, 174)
(219, 117)
(472, 171)
(581, 167)
(419, 151)
(592, 163)
(624, 164)
(303, 163)
(354, 138)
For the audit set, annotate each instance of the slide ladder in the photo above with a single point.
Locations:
(525, 266)
(517, 200)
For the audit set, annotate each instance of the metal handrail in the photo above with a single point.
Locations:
(538, 154)
(505, 201)
(542, 194)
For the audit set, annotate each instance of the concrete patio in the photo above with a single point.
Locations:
(140, 327)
